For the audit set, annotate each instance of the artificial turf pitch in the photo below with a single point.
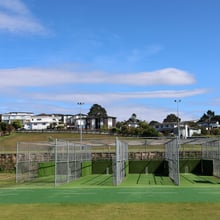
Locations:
(110, 195)
(134, 189)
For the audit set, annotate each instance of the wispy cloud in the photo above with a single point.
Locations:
(114, 97)
(49, 77)
(16, 17)
(121, 105)
(15, 6)
(168, 76)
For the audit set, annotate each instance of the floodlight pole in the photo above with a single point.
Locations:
(80, 121)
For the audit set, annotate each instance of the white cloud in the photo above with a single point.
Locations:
(15, 6)
(15, 17)
(167, 76)
(47, 77)
(114, 97)
(27, 77)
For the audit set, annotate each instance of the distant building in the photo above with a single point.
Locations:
(63, 119)
(90, 123)
(186, 131)
(76, 121)
(171, 128)
(8, 118)
(209, 125)
(165, 127)
(41, 122)
(97, 123)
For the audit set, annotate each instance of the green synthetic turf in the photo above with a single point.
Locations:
(110, 195)
(100, 180)
(135, 189)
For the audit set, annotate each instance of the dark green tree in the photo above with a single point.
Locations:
(207, 117)
(152, 123)
(97, 111)
(17, 124)
(3, 127)
(143, 129)
(217, 118)
(171, 118)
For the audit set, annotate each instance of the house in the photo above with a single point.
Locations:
(96, 123)
(91, 122)
(133, 122)
(209, 125)
(8, 118)
(172, 128)
(165, 127)
(186, 131)
(76, 121)
(41, 122)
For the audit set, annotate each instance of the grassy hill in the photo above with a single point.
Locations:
(8, 143)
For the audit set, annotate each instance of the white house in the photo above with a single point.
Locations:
(8, 118)
(172, 128)
(209, 125)
(186, 131)
(41, 122)
(76, 121)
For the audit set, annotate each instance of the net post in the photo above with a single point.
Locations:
(55, 164)
(16, 179)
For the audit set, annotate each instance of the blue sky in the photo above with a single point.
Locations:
(129, 56)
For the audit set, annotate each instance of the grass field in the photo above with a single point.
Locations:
(8, 143)
(112, 211)
(93, 197)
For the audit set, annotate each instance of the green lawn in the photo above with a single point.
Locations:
(8, 143)
(112, 211)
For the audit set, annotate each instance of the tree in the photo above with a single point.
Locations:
(97, 111)
(145, 130)
(153, 123)
(142, 130)
(17, 124)
(207, 117)
(9, 128)
(3, 127)
(217, 118)
(171, 118)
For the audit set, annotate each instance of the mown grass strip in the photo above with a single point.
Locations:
(116, 211)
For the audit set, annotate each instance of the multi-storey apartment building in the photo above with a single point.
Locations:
(8, 118)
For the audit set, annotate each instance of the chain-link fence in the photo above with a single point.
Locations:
(119, 162)
(172, 156)
(34, 160)
(211, 151)
(69, 159)
(55, 162)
